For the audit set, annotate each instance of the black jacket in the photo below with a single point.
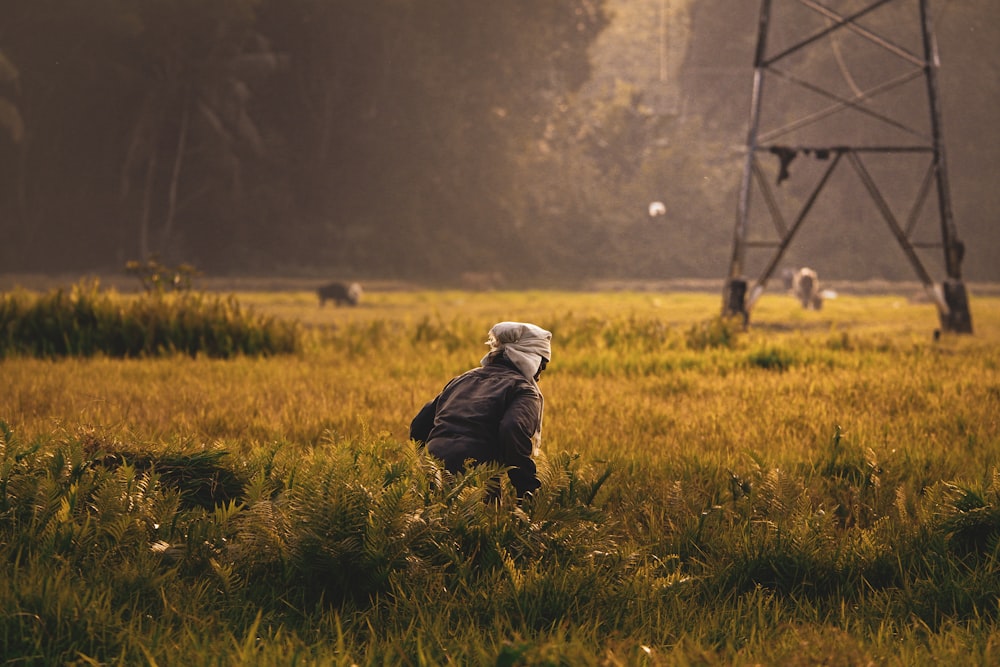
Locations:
(487, 414)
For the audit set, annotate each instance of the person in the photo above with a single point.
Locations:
(493, 413)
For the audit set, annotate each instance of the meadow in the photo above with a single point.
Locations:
(822, 487)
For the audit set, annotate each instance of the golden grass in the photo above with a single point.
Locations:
(852, 422)
(622, 385)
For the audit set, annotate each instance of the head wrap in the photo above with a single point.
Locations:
(525, 345)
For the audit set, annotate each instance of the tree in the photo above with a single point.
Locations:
(199, 62)
(10, 116)
(405, 121)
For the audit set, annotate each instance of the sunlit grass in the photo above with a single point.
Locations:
(623, 375)
(820, 487)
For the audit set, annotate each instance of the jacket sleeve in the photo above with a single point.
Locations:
(420, 427)
(518, 425)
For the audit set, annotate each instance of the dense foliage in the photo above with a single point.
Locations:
(116, 557)
(423, 140)
(86, 321)
(244, 133)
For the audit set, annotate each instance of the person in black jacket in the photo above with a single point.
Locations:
(492, 413)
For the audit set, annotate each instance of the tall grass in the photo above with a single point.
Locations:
(113, 564)
(817, 494)
(86, 321)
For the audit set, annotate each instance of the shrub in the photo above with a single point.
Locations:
(157, 277)
(718, 332)
(87, 321)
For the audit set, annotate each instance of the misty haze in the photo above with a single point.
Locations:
(427, 141)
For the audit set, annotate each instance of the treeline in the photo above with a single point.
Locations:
(388, 138)
(248, 134)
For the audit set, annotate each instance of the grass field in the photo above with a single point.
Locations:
(821, 488)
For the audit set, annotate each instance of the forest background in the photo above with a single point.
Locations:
(419, 140)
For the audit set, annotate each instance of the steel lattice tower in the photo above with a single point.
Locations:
(815, 54)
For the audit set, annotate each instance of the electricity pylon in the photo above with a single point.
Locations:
(856, 83)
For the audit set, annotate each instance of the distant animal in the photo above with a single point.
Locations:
(340, 293)
(805, 287)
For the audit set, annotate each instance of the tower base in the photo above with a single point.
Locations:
(734, 298)
(958, 319)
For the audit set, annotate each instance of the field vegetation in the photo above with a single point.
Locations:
(820, 488)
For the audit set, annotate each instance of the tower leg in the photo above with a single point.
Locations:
(958, 319)
(734, 298)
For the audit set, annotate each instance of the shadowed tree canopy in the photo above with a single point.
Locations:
(255, 135)
(403, 138)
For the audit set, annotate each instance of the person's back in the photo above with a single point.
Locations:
(492, 413)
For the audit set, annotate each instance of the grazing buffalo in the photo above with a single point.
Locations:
(340, 293)
(805, 286)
